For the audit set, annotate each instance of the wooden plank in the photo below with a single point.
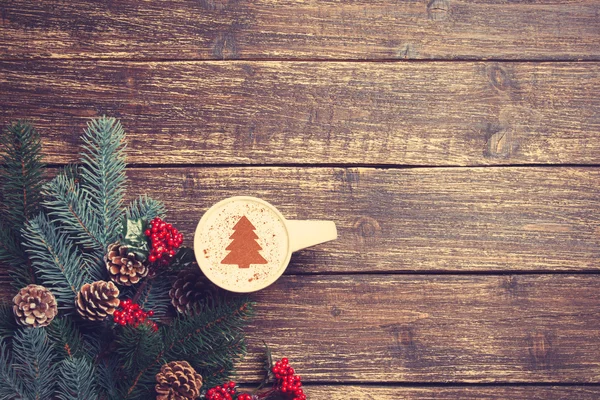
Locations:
(290, 29)
(458, 219)
(348, 392)
(429, 329)
(373, 328)
(425, 220)
(334, 113)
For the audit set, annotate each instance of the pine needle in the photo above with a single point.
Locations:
(145, 207)
(57, 261)
(77, 380)
(103, 175)
(34, 362)
(21, 176)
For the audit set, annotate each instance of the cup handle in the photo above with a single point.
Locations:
(309, 233)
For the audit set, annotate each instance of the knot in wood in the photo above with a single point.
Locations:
(498, 77)
(541, 350)
(367, 227)
(437, 10)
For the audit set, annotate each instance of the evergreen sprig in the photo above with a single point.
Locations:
(153, 294)
(34, 361)
(103, 175)
(8, 325)
(11, 252)
(21, 173)
(11, 386)
(60, 242)
(57, 262)
(21, 177)
(108, 378)
(67, 339)
(138, 347)
(211, 341)
(77, 380)
(68, 205)
(146, 208)
(66, 202)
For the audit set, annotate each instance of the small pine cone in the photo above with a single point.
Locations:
(95, 301)
(35, 306)
(122, 265)
(190, 292)
(177, 380)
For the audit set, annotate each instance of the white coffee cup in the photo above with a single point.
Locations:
(244, 244)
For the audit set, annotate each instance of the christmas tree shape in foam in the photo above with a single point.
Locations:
(244, 248)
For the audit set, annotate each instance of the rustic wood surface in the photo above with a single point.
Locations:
(473, 113)
(327, 29)
(472, 274)
(401, 220)
(461, 393)
(371, 328)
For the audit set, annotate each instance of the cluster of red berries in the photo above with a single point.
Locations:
(223, 392)
(132, 314)
(288, 382)
(165, 240)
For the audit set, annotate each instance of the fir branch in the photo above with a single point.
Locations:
(138, 346)
(216, 370)
(10, 248)
(145, 207)
(66, 338)
(95, 265)
(194, 334)
(189, 336)
(153, 294)
(21, 174)
(108, 378)
(77, 380)
(33, 359)
(11, 252)
(67, 203)
(11, 387)
(8, 325)
(57, 261)
(103, 174)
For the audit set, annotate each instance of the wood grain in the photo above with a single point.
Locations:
(425, 219)
(456, 219)
(290, 29)
(429, 329)
(317, 113)
(347, 392)
(367, 328)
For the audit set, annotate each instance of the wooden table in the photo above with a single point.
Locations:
(454, 142)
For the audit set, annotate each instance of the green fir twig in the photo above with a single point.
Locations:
(21, 177)
(103, 175)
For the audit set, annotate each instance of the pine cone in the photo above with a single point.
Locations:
(177, 380)
(122, 265)
(97, 300)
(190, 292)
(35, 306)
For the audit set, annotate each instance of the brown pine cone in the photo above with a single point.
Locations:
(95, 301)
(177, 380)
(35, 306)
(122, 265)
(190, 292)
